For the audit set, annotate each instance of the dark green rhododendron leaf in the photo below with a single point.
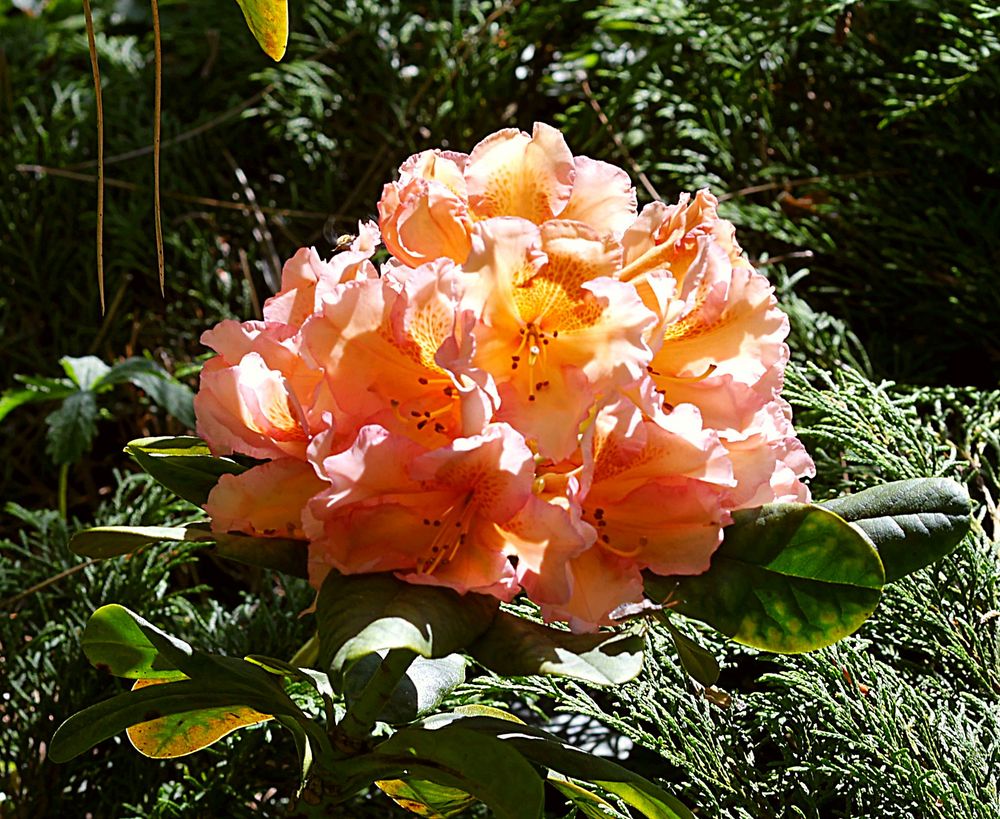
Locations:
(114, 642)
(423, 687)
(360, 614)
(699, 663)
(912, 523)
(426, 798)
(473, 762)
(184, 465)
(515, 647)
(787, 578)
(189, 731)
(280, 554)
(549, 751)
(268, 22)
(587, 803)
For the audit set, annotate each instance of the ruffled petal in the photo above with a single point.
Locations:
(513, 174)
(602, 197)
(266, 500)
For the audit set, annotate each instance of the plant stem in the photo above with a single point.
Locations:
(63, 490)
(356, 725)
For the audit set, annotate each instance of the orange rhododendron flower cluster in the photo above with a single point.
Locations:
(542, 389)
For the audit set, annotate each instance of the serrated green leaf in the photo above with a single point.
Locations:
(86, 371)
(268, 22)
(912, 523)
(13, 398)
(423, 687)
(787, 578)
(184, 465)
(164, 390)
(357, 615)
(512, 646)
(71, 428)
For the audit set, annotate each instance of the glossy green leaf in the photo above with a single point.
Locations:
(189, 731)
(184, 465)
(357, 615)
(423, 687)
(102, 542)
(466, 760)
(114, 642)
(515, 647)
(699, 663)
(787, 578)
(268, 22)
(549, 751)
(71, 427)
(426, 798)
(912, 523)
(279, 554)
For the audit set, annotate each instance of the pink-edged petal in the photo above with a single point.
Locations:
(477, 567)
(548, 412)
(307, 279)
(376, 465)
(671, 526)
(602, 197)
(247, 408)
(267, 500)
(544, 536)
(444, 167)
(513, 174)
(422, 221)
(496, 469)
(601, 583)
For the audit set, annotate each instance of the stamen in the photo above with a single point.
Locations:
(452, 528)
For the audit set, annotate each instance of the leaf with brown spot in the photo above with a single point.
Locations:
(268, 22)
(189, 731)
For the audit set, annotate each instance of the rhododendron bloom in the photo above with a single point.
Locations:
(543, 389)
(431, 210)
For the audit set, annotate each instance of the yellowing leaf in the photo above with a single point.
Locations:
(268, 22)
(190, 731)
(426, 798)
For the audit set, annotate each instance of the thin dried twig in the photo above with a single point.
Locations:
(63, 173)
(157, 106)
(11, 601)
(92, 45)
(248, 278)
(184, 136)
(622, 148)
(273, 273)
(811, 180)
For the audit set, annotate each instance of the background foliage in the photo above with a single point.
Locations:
(851, 142)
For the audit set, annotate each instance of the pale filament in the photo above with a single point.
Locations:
(684, 379)
(454, 524)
